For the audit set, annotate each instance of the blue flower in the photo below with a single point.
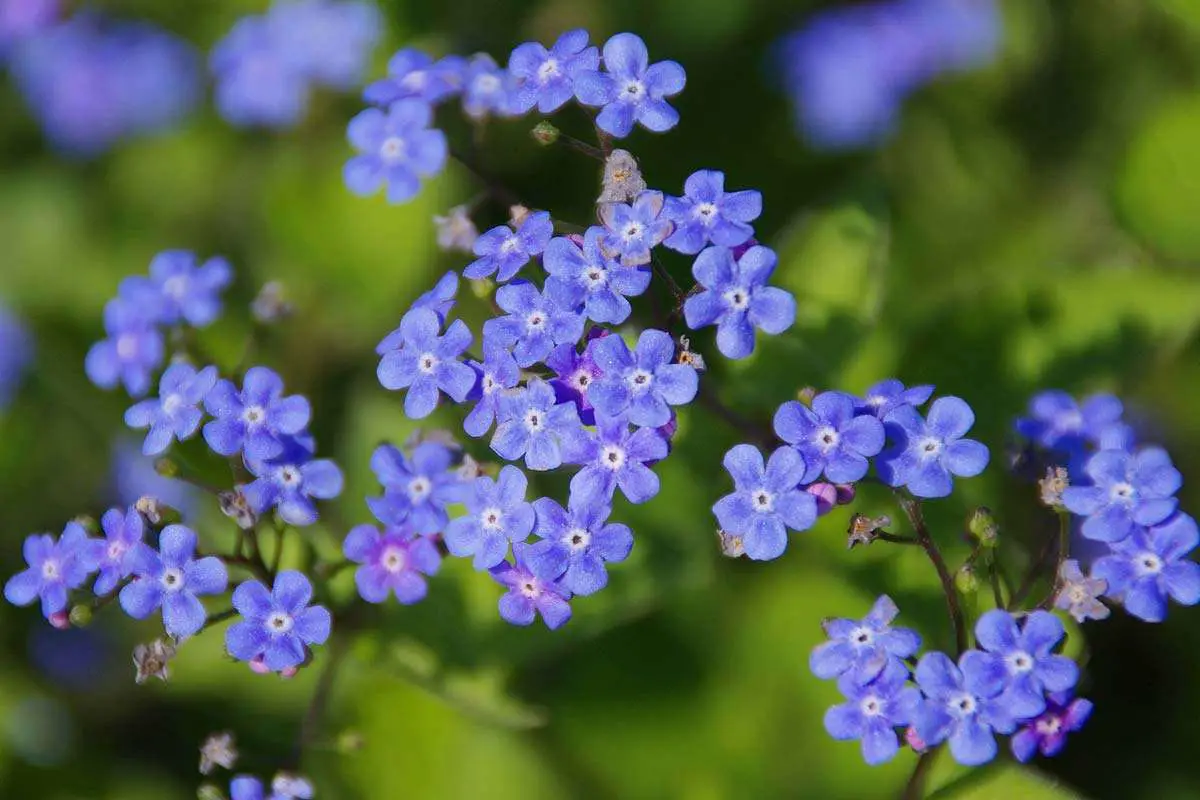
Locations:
(530, 592)
(496, 515)
(284, 787)
(860, 650)
(643, 384)
(1150, 565)
(534, 325)
(830, 437)
(54, 569)
(392, 563)
(256, 81)
(256, 420)
(873, 710)
(16, 351)
(1057, 422)
(20, 20)
(614, 457)
(1128, 489)
(928, 452)
(886, 396)
(279, 625)
(185, 291)
(545, 78)
(585, 275)
(633, 230)
(130, 354)
(134, 477)
(327, 42)
(765, 501)
(577, 542)
(486, 88)
(439, 300)
(176, 413)
(503, 251)
(416, 489)
(290, 481)
(171, 579)
(497, 371)
(534, 425)
(963, 704)
(396, 148)
(707, 213)
(631, 89)
(737, 299)
(1026, 654)
(428, 362)
(575, 373)
(114, 554)
(1047, 733)
(413, 75)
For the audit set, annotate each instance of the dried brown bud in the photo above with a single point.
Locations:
(469, 469)
(218, 750)
(864, 529)
(732, 545)
(271, 305)
(235, 506)
(623, 180)
(687, 357)
(517, 215)
(1052, 486)
(151, 660)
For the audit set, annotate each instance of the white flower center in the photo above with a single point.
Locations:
(963, 704)
(172, 403)
(427, 363)
(548, 70)
(491, 519)
(612, 457)
(1070, 421)
(706, 212)
(127, 347)
(738, 299)
(290, 476)
(172, 579)
(929, 447)
(871, 706)
(116, 551)
(487, 83)
(1077, 594)
(634, 90)
(1049, 725)
(392, 149)
(578, 539)
(1122, 493)
(1148, 564)
(862, 637)
(827, 438)
(511, 245)
(595, 278)
(489, 383)
(253, 415)
(632, 231)
(419, 488)
(1019, 662)
(639, 380)
(392, 559)
(581, 380)
(279, 622)
(175, 287)
(415, 80)
(534, 420)
(762, 501)
(529, 587)
(49, 569)
(535, 321)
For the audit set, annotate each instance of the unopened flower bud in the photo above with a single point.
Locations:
(544, 133)
(60, 620)
(914, 740)
(846, 492)
(806, 395)
(731, 544)
(151, 660)
(826, 495)
(81, 615)
(235, 506)
(966, 580)
(983, 527)
(517, 214)
(209, 791)
(482, 288)
(271, 305)
(623, 181)
(1052, 486)
(88, 523)
(166, 468)
(218, 750)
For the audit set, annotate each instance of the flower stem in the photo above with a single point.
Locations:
(915, 788)
(1064, 548)
(912, 509)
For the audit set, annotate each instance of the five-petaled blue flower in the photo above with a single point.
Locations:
(1150, 565)
(576, 542)
(963, 704)
(531, 423)
(887, 395)
(737, 299)
(574, 374)
(766, 500)
(632, 230)
(54, 569)
(1128, 489)
(113, 555)
(290, 481)
(631, 88)
(416, 489)
(873, 710)
(1047, 734)
(486, 87)
(860, 649)
(279, 625)
(171, 579)
(830, 437)
(176, 413)
(530, 592)
(497, 514)
(929, 451)
(534, 325)
(1057, 422)
(186, 292)
(504, 251)
(613, 457)
(256, 420)
(642, 384)
(132, 351)
(545, 78)
(425, 362)
(497, 372)
(396, 148)
(1026, 653)
(414, 75)
(707, 213)
(394, 562)
(582, 274)
(255, 83)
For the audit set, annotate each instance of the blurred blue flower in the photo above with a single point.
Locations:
(21, 19)
(396, 149)
(135, 477)
(545, 77)
(16, 352)
(176, 413)
(414, 75)
(130, 354)
(54, 568)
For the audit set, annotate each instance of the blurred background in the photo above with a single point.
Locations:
(1020, 212)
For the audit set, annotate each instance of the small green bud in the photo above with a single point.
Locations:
(209, 791)
(80, 615)
(88, 523)
(167, 468)
(806, 395)
(482, 288)
(545, 133)
(966, 580)
(983, 527)
(350, 741)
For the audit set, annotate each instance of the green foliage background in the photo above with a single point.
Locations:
(1031, 225)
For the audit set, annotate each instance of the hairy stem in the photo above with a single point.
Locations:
(912, 509)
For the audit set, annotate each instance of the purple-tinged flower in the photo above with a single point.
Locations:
(279, 624)
(575, 372)
(632, 230)
(1078, 594)
(1128, 489)
(614, 457)
(504, 251)
(873, 710)
(256, 82)
(456, 230)
(130, 354)
(176, 413)
(497, 514)
(256, 420)
(416, 488)
(585, 275)
(830, 437)
(395, 561)
(531, 592)
(1048, 733)
(55, 567)
(576, 542)
(16, 351)
(963, 704)
(929, 451)
(534, 325)
(171, 579)
(22, 19)
(545, 78)
(113, 555)
(1057, 422)
(497, 372)
(327, 42)
(707, 213)
(642, 384)
(631, 89)
(186, 291)
(533, 425)
(766, 500)
(1150, 565)
(859, 650)
(737, 299)
(425, 362)
(486, 88)
(290, 481)
(396, 148)
(888, 395)
(1026, 654)
(414, 75)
